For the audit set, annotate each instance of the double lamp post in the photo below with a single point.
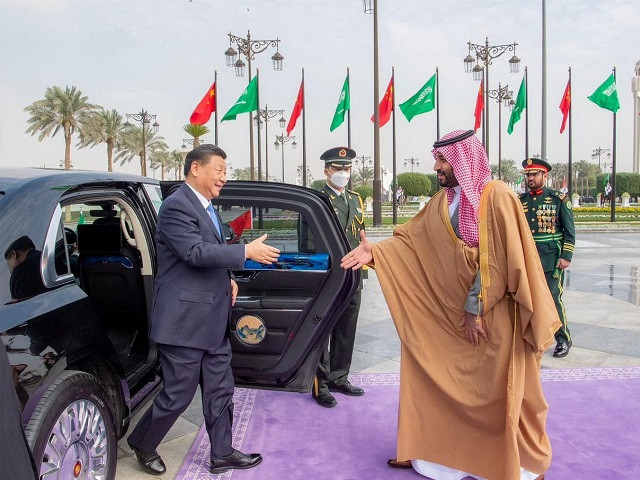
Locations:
(249, 48)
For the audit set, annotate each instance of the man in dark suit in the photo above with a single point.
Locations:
(193, 295)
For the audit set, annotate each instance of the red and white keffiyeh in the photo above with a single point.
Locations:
(471, 168)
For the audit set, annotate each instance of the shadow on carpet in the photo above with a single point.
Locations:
(594, 415)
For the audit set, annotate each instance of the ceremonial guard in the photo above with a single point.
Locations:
(335, 363)
(551, 220)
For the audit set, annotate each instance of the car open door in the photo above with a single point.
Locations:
(284, 312)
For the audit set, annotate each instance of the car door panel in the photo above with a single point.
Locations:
(284, 312)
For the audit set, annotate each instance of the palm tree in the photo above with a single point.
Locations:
(133, 140)
(65, 110)
(508, 170)
(103, 126)
(177, 163)
(582, 170)
(196, 131)
(361, 175)
(558, 174)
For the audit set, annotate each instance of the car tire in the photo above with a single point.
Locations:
(71, 431)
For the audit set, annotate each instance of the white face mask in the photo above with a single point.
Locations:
(340, 178)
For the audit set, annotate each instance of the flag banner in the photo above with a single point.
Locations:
(386, 105)
(479, 107)
(521, 104)
(606, 180)
(297, 110)
(606, 95)
(344, 104)
(565, 105)
(248, 101)
(422, 102)
(242, 222)
(205, 108)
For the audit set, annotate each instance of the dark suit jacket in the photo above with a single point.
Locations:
(192, 289)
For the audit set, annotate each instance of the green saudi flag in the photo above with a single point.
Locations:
(248, 101)
(422, 102)
(521, 104)
(606, 95)
(344, 104)
(606, 180)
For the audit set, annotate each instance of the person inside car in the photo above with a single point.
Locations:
(23, 262)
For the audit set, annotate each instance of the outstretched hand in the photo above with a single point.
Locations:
(472, 325)
(359, 256)
(261, 252)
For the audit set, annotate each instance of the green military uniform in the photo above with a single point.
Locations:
(550, 218)
(335, 362)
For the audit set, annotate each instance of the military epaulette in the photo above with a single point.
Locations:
(522, 195)
(353, 192)
(558, 194)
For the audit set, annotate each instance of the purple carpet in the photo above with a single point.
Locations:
(594, 425)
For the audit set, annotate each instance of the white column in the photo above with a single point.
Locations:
(635, 88)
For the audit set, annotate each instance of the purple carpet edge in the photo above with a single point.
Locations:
(195, 464)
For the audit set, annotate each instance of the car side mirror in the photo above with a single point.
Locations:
(227, 232)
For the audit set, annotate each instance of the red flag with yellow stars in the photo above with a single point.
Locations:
(242, 222)
(297, 109)
(565, 105)
(386, 105)
(205, 108)
(479, 107)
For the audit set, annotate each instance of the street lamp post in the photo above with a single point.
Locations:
(145, 119)
(371, 7)
(362, 160)
(268, 114)
(249, 48)
(501, 94)
(280, 141)
(485, 54)
(600, 151)
(411, 161)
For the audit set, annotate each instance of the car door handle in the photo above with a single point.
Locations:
(244, 276)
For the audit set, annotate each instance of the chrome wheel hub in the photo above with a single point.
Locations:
(77, 447)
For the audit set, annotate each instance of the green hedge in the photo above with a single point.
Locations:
(364, 191)
(625, 182)
(414, 184)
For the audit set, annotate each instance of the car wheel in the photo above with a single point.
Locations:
(71, 432)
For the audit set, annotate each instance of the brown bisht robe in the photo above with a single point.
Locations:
(476, 409)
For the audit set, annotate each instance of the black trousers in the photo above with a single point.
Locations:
(183, 370)
(555, 287)
(336, 358)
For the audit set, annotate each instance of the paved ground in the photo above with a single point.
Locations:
(602, 298)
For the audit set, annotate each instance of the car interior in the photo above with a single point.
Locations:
(108, 263)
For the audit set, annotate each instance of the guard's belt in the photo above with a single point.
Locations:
(547, 237)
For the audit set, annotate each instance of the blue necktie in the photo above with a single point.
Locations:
(214, 219)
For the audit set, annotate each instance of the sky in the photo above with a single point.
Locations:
(160, 55)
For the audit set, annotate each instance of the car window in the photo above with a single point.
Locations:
(155, 195)
(286, 229)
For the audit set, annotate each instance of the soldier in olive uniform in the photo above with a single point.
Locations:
(335, 363)
(551, 219)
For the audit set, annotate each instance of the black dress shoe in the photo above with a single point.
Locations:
(150, 462)
(562, 349)
(235, 460)
(347, 389)
(325, 400)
